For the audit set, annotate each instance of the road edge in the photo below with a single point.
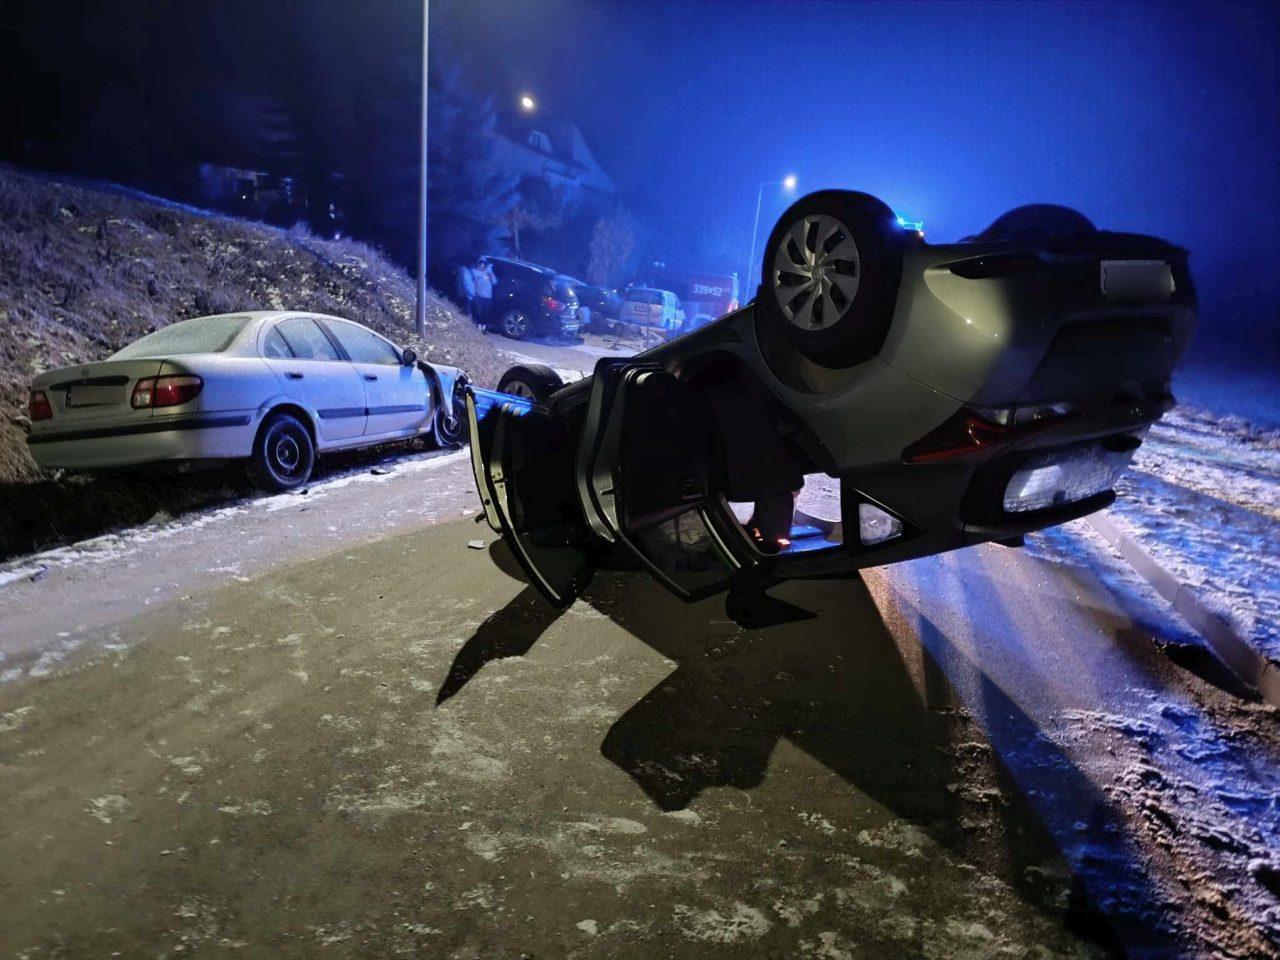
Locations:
(1235, 651)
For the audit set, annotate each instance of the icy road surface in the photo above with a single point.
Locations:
(327, 723)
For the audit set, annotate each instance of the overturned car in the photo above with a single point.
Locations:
(958, 393)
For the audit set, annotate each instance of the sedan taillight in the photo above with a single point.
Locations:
(165, 391)
(552, 304)
(38, 406)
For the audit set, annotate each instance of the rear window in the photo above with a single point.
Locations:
(645, 296)
(201, 335)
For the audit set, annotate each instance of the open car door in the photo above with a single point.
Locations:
(644, 478)
(522, 458)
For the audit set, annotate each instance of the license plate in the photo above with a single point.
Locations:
(1133, 280)
(94, 396)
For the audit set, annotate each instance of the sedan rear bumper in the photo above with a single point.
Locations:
(193, 437)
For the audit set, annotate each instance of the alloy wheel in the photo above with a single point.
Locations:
(515, 324)
(816, 272)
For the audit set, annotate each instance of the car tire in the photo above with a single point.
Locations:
(830, 275)
(516, 324)
(450, 426)
(283, 454)
(530, 380)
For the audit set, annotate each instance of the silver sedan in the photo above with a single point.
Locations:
(271, 388)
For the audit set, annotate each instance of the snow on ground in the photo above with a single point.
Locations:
(113, 546)
(1203, 499)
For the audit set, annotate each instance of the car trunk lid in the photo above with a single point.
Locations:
(94, 392)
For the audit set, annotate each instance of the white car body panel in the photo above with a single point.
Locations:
(240, 388)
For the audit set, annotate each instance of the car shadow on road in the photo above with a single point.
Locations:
(510, 632)
(878, 712)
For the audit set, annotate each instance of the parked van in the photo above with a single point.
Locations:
(648, 307)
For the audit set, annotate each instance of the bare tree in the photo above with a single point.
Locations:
(614, 244)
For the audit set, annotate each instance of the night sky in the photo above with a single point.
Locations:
(1158, 118)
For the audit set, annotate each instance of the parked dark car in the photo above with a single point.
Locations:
(530, 300)
(603, 303)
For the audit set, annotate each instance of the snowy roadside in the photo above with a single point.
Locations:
(113, 546)
(55, 602)
(1203, 499)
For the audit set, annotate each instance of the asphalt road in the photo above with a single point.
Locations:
(325, 725)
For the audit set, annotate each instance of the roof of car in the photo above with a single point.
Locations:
(547, 271)
(256, 316)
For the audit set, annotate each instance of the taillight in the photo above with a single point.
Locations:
(551, 303)
(979, 428)
(962, 434)
(165, 391)
(38, 406)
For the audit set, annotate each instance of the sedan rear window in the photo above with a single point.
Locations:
(201, 335)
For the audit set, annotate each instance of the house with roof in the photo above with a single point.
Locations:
(555, 152)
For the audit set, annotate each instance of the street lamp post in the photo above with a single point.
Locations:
(420, 314)
(789, 183)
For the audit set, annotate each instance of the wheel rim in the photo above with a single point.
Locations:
(816, 272)
(286, 458)
(515, 324)
(521, 389)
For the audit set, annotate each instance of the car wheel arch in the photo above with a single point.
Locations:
(305, 416)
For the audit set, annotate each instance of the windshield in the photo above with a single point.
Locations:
(201, 335)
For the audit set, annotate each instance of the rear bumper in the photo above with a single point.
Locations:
(556, 324)
(200, 437)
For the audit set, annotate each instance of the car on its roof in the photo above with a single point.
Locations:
(271, 388)
(957, 393)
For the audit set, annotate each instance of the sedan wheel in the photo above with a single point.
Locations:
(515, 324)
(283, 456)
(451, 421)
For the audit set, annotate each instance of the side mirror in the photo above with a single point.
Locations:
(409, 357)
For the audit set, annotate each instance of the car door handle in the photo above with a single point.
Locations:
(293, 375)
(371, 376)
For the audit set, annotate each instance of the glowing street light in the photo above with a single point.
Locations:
(527, 104)
(787, 183)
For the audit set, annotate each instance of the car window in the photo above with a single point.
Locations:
(201, 335)
(306, 340)
(275, 347)
(645, 296)
(364, 346)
